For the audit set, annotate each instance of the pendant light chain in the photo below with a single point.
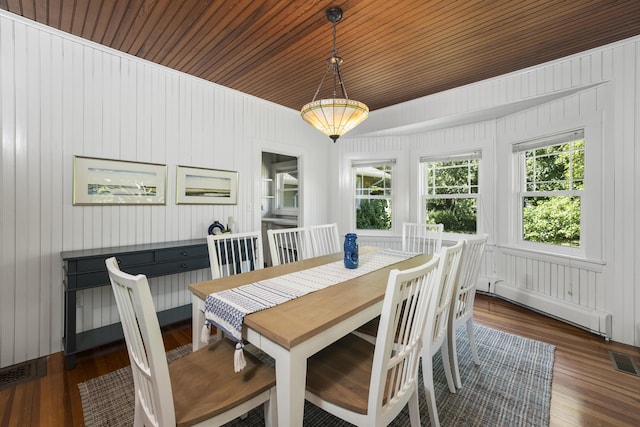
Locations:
(334, 116)
(336, 63)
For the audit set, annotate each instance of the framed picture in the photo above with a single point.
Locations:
(117, 182)
(202, 186)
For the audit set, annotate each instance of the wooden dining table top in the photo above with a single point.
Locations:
(295, 321)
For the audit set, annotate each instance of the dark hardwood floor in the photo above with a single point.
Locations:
(586, 390)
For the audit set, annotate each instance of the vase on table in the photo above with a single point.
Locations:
(351, 250)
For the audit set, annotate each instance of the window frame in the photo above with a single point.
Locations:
(519, 150)
(471, 154)
(373, 162)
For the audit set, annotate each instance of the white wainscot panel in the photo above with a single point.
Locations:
(565, 288)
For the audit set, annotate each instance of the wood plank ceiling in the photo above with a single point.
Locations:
(393, 51)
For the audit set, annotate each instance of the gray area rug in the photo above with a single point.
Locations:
(511, 387)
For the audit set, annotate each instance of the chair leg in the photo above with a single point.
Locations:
(414, 409)
(429, 390)
(453, 356)
(472, 341)
(446, 363)
(138, 417)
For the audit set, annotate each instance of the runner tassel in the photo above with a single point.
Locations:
(238, 358)
(205, 334)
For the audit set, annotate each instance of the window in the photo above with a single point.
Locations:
(551, 189)
(286, 182)
(450, 191)
(373, 194)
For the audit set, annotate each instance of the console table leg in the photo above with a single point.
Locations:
(70, 361)
(70, 328)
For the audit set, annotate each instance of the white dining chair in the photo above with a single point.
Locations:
(370, 384)
(200, 388)
(324, 239)
(231, 253)
(288, 245)
(464, 294)
(424, 238)
(435, 334)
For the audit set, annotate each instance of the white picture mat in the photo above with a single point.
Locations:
(206, 186)
(114, 182)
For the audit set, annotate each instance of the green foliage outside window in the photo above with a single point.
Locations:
(554, 220)
(549, 218)
(373, 215)
(447, 183)
(456, 215)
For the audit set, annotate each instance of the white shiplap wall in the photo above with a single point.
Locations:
(63, 96)
(599, 89)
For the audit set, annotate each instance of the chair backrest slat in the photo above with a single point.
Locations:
(424, 238)
(447, 279)
(324, 239)
(465, 291)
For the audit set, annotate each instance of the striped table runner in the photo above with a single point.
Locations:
(226, 309)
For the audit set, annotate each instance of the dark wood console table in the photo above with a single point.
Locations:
(84, 269)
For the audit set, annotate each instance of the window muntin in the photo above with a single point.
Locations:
(551, 189)
(373, 195)
(450, 192)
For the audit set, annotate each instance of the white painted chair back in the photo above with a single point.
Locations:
(396, 355)
(464, 294)
(436, 329)
(288, 245)
(153, 394)
(231, 253)
(424, 238)
(325, 239)
(405, 314)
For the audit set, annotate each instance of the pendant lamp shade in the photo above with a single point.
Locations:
(334, 116)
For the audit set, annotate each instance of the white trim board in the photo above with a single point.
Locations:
(598, 322)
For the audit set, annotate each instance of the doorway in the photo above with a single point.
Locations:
(280, 204)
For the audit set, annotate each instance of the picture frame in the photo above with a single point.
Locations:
(202, 186)
(98, 181)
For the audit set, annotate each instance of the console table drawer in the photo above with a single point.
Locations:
(94, 264)
(181, 253)
(101, 278)
(180, 266)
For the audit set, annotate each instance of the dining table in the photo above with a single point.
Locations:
(295, 330)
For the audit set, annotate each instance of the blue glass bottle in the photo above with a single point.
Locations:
(351, 250)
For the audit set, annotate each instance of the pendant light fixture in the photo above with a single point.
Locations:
(334, 116)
